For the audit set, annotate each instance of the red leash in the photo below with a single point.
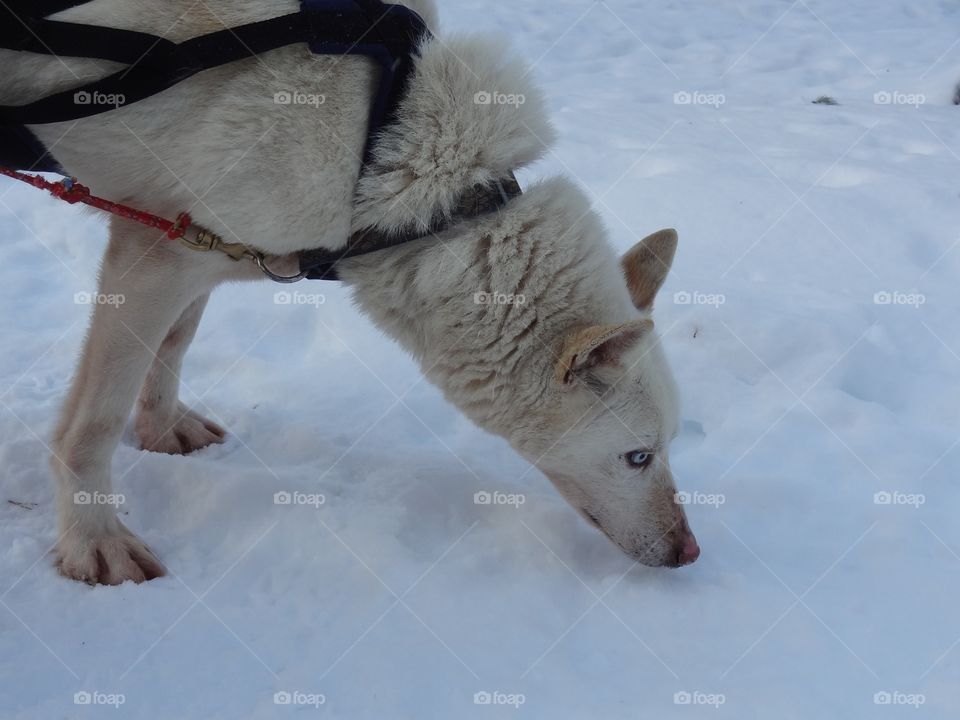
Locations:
(69, 190)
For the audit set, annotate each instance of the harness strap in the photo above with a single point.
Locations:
(20, 148)
(30, 8)
(160, 69)
(51, 37)
(480, 200)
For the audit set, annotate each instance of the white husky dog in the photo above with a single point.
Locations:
(573, 376)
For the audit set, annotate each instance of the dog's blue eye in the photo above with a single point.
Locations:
(639, 458)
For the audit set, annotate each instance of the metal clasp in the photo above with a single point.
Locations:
(207, 241)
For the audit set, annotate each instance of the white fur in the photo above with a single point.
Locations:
(570, 372)
(443, 141)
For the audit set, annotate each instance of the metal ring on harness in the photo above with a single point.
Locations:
(262, 264)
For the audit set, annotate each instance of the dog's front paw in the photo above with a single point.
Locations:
(107, 557)
(176, 433)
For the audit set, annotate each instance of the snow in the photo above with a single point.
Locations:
(805, 393)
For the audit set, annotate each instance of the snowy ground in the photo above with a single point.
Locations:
(805, 394)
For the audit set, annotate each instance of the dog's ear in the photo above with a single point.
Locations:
(598, 346)
(647, 264)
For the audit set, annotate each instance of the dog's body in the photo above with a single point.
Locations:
(563, 361)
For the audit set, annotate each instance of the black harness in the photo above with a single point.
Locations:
(387, 33)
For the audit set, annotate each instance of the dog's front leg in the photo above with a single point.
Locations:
(163, 423)
(145, 285)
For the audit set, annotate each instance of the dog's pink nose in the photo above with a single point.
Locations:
(689, 550)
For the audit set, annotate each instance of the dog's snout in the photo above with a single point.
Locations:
(687, 550)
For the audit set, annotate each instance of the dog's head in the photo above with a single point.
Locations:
(598, 421)
(606, 426)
